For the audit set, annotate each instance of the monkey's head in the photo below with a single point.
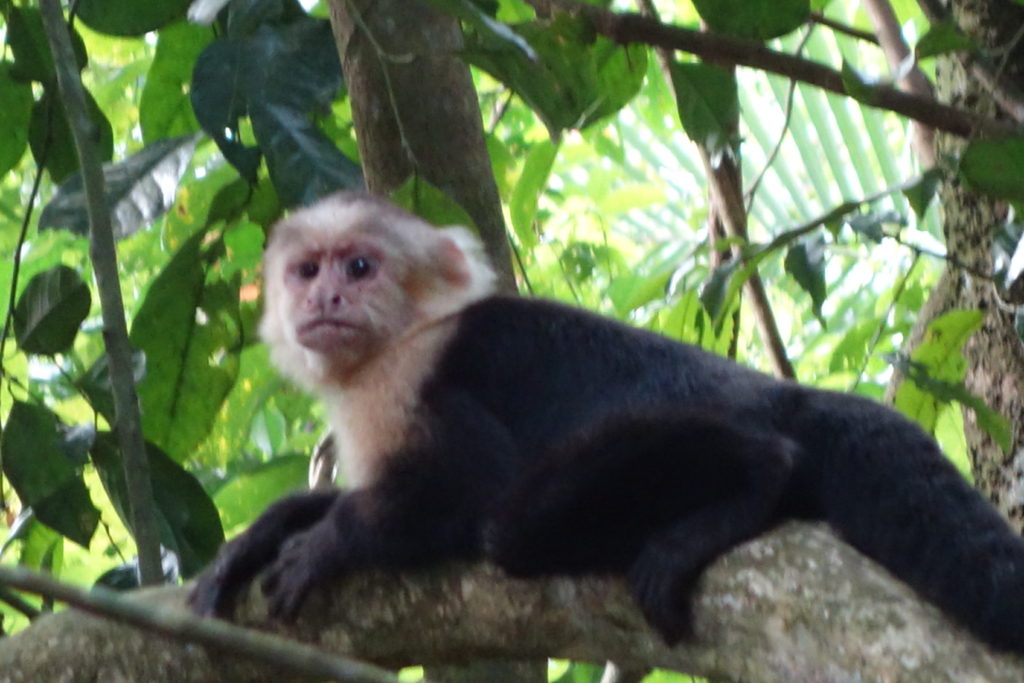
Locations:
(352, 274)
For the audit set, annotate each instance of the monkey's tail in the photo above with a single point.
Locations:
(888, 490)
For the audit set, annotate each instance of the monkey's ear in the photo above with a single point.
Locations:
(452, 261)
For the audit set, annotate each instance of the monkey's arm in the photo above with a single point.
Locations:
(244, 557)
(427, 505)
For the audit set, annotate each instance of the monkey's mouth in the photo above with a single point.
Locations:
(325, 323)
(323, 334)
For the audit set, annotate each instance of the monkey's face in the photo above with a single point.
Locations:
(344, 300)
(351, 277)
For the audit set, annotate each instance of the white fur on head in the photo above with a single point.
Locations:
(409, 243)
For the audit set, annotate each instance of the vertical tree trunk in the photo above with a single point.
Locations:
(416, 114)
(416, 110)
(995, 354)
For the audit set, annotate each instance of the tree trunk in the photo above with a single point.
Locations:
(994, 354)
(415, 109)
(417, 115)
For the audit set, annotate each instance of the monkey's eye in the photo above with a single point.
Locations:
(360, 268)
(308, 270)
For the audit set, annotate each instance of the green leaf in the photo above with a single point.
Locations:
(246, 495)
(95, 384)
(935, 376)
(165, 110)
(522, 205)
(495, 31)
(33, 60)
(856, 86)
(186, 517)
(755, 19)
(50, 311)
(14, 117)
(276, 77)
(244, 249)
(708, 105)
(36, 464)
(921, 191)
(140, 189)
(49, 134)
(190, 332)
(578, 79)
(805, 261)
(129, 17)
(942, 38)
(424, 199)
(719, 291)
(995, 167)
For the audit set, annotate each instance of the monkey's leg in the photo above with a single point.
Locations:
(656, 498)
(244, 557)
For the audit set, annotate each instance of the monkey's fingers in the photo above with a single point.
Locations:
(302, 563)
(216, 590)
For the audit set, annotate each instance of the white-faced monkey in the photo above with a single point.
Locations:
(550, 440)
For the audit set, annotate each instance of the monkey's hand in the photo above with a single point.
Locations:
(243, 558)
(305, 560)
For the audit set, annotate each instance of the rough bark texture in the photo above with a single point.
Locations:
(415, 109)
(794, 605)
(995, 355)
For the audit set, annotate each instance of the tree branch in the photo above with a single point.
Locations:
(795, 604)
(625, 28)
(115, 331)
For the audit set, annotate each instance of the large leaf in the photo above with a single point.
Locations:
(805, 261)
(14, 117)
(186, 517)
(424, 199)
(165, 110)
(756, 19)
(139, 189)
(995, 167)
(36, 463)
(532, 181)
(189, 330)
(578, 78)
(50, 311)
(129, 17)
(277, 76)
(33, 60)
(935, 376)
(49, 134)
(242, 498)
(708, 105)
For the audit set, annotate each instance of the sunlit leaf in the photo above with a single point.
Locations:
(422, 198)
(139, 189)
(532, 181)
(189, 330)
(165, 110)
